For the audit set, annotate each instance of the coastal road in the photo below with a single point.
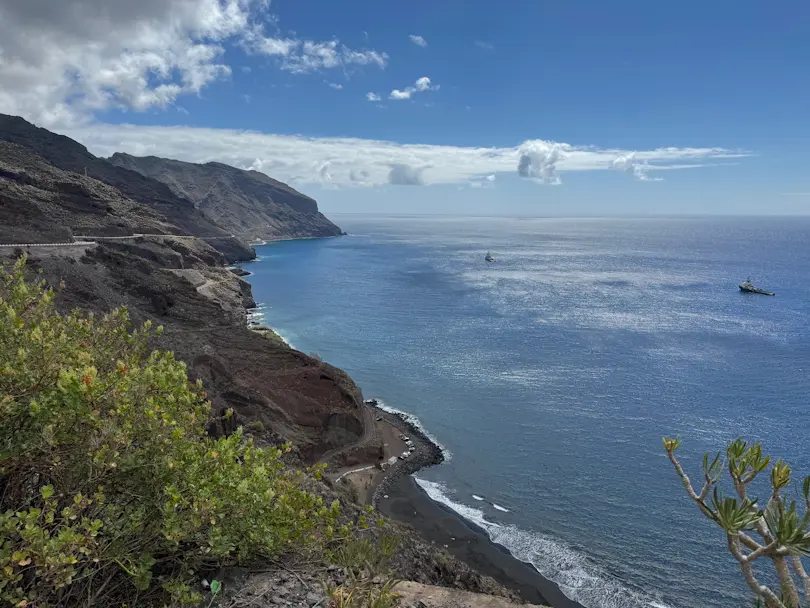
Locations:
(73, 244)
(139, 235)
(87, 240)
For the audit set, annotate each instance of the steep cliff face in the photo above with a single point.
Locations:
(202, 310)
(69, 155)
(42, 204)
(246, 203)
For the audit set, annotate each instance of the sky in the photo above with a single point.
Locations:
(526, 107)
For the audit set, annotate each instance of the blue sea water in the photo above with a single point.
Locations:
(551, 375)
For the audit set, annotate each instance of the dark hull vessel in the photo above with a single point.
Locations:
(748, 287)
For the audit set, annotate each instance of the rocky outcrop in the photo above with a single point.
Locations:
(41, 203)
(246, 203)
(416, 595)
(66, 154)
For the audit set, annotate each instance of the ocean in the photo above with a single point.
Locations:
(551, 375)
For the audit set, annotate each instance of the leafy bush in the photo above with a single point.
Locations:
(110, 490)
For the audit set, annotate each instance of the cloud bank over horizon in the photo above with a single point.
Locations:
(63, 64)
(353, 162)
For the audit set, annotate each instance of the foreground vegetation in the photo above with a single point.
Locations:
(779, 533)
(111, 493)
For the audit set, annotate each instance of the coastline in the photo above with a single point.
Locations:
(398, 496)
(394, 493)
(409, 504)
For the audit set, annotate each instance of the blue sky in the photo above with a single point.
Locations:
(585, 108)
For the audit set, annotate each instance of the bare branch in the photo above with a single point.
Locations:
(798, 567)
(768, 549)
(771, 601)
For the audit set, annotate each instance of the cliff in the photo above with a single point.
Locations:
(246, 203)
(69, 155)
(163, 259)
(42, 204)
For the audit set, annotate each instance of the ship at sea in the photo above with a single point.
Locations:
(748, 287)
(489, 258)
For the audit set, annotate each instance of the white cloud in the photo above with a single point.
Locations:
(363, 162)
(418, 40)
(628, 163)
(301, 57)
(61, 61)
(335, 85)
(487, 46)
(372, 97)
(422, 85)
(406, 175)
(538, 160)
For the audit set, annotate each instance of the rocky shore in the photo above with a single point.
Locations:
(399, 497)
(426, 454)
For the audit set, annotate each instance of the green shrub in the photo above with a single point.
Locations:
(110, 490)
(256, 426)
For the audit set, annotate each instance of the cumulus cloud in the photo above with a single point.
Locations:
(628, 163)
(405, 175)
(372, 97)
(334, 85)
(422, 85)
(323, 172)
(304, 56)
(538, 160)
(359, 176)
(60, 62)
(418, 40)
(356, 162)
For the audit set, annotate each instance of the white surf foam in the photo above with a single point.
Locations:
(476, 497)
(500, 508)
(283, 339)
(417, 423)
(578, 577)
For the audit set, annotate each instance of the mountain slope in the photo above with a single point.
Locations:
(246, 203)
(69, 155)
(42, 204)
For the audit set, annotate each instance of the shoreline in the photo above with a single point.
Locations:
(398, 496)
(261, 242)
(394, 493)
(409, 504)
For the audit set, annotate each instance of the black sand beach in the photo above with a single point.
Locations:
(408, 503)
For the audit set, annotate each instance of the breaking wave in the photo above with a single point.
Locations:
(577, 576)
(411, 419)
(257, 315)
(500, 508)
(476, 497)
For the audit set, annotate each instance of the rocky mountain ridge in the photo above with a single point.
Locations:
(247, 203)
(214, 201)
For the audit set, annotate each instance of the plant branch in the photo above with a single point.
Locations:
(771, 601)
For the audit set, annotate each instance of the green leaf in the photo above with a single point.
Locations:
(216, 586)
